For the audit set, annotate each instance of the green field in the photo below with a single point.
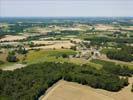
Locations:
(105, 50)
(56, 56)
(6, 64)
(48, 55)
(4, 97)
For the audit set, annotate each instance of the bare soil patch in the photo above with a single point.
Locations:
(12, 38)
(102, 27)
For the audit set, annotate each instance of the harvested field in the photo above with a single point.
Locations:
(72, 91)
(12, 38)
(49, 42)
(38, 30)
(130, 28)
(63, 90)
(76, 40)
(10, 43)
(53, 44)
(56, 46)
(3, 56)
(71, 29)
(102, 27)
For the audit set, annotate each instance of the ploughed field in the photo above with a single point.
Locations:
(12, 38)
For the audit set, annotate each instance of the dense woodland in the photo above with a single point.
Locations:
(31, 82)
(114, 68)
(120, 55)
(124, 54)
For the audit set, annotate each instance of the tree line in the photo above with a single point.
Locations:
(102, 40)
(117, 69)
(125, 54)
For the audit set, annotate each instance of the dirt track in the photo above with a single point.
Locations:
(13, 67)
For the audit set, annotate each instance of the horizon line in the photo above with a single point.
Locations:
(57, 16)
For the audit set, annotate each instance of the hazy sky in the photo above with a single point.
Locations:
(54, 8)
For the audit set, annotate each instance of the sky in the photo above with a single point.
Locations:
(66, 8)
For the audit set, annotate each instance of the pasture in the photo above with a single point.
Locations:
(48, 55)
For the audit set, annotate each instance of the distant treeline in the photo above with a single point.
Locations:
(31, 82)
(15, 28)
(65, 32)
(100, 40)
(114, 68)
(56, 20)
(20, 27)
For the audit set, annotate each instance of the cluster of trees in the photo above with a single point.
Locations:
(118, 69)
(12, 29)
(21, 50)
(71, 32)
(128, 49)
(16, 28)
(73, 48)
(12, 57)
(122, 55)
(65, 32)
(31, 44)
(31, 82)
(65, 55)
(7, 46)
(1, 62)
(36, 37)
(120, 52)
(102, 40)
(112, 67)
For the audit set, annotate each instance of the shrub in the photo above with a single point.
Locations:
(12, 57)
